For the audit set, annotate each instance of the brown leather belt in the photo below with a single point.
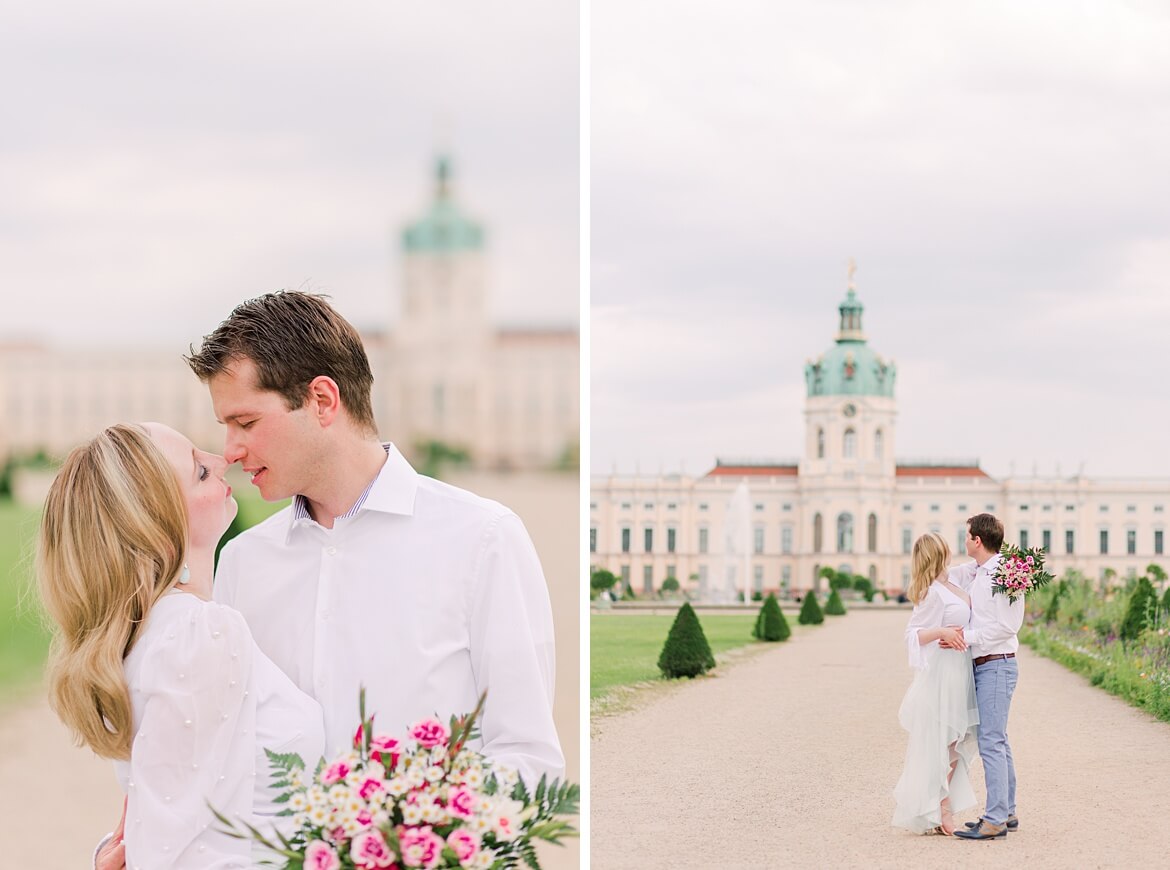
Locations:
(982, 660)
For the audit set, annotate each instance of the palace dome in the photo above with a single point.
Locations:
(444, 228)
(850, 367)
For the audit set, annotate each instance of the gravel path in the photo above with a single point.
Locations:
(789, 759)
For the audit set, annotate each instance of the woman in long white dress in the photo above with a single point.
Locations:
(146, 669)
(939, 710)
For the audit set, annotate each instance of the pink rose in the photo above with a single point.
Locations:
(421, 847)
(335, 772)
(1030, 561)
(370, 851)
(464, 843)
(429, 732)
(370, 788)
(381, 744)
(320, 856)
(461, 802)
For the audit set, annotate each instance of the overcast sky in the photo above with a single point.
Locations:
(998, 169)
(162, 162)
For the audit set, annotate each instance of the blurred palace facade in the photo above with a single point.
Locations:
(509, 397)
(848, 504)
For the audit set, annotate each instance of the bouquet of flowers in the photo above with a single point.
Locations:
(1019, 572)
(424, 801)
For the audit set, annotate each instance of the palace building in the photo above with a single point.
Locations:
(445, 373)
(847, 503)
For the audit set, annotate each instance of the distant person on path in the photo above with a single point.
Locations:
(939, 710)
(146, 669)
(992, 638)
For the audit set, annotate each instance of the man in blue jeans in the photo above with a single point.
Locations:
(995, 622)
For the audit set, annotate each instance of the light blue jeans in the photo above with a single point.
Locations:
(995, 681)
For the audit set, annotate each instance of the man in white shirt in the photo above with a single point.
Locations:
(995, 622)
(425, 594)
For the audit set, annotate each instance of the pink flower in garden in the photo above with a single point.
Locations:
(464, 843)
(461, 802)
(371, 852)
(335, 772)
(320, 856)
(380, 744)
(421, 847)
(429, 733)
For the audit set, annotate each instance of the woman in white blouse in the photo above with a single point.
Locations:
(939, 710)
(145, 668)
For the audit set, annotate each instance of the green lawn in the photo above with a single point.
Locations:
(624, 648)
(24, 640)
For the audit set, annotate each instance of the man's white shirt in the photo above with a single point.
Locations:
(426, 594)
(995, 621)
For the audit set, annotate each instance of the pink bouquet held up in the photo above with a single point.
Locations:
(427, 801)
(1019, 572)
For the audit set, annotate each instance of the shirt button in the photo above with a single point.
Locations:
(332, 551)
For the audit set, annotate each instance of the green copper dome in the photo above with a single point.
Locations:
(443, 229)
(850, 367)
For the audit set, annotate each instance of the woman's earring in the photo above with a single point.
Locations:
(185, 575)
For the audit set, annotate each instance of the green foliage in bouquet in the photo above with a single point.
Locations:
(1141, 612)
(686, 652)
(834, 606)
(810, 611)
(771, 625)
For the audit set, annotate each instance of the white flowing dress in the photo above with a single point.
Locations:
(206, 703)
(939, 710)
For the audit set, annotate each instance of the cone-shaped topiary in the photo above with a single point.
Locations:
(810, 611)
(771, 623)
(1166, 600)
(758, 628)
(834, 606)
(1140, 613)
(686, 652)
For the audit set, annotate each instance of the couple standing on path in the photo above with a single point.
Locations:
(374, 576)
(962, 640)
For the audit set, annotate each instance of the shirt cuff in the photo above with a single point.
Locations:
(101, 846)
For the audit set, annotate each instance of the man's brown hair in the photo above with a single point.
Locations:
(988, 529)
(292, 337)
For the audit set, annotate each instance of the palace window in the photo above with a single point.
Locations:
(1131, 508)
(907, 539)
(961, 540)
(625, 578)
(1157, 542)
(879, 444)
(758, 578)
(648, 539)
(871, 533)
(626, 539)
(1069, 542)
(820, 443)
(702, 540)
(1046, 540)
(758, 539)
(593, 540)
(648, 579)
(849, 444)
(671, 539)
(845, 533)
(1104, 542)
(786, 539)
(786, 576)
(818, 533)
(1131, 541)
(1023, 539)
(759, 507)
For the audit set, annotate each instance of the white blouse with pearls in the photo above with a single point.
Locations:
(206, 704)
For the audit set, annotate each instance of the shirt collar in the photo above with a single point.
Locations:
(991, 564)
(392, 491)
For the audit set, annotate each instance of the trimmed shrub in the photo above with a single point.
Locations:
(670, 584)
(1141, 611)
(601, 580)
(771, 624)
(834, 606)
(686, 652)
(1166, 601)
(810, 611)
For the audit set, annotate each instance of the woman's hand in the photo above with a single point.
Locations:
(951, 637)
(112, 855)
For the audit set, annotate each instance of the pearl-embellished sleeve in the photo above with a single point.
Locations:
(928, 613)
(195, 745)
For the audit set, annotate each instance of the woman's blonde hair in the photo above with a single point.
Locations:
(928, 560)
(113, 539)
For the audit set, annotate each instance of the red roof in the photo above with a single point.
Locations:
(752, 471)
(941, 471)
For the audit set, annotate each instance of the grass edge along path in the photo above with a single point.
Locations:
(624, 649)
(1116, 674)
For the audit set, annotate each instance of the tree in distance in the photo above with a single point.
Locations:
(771, 624)
(810, 611)
(686, 652)
(834, 606)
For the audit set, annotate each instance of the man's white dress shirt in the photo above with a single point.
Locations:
(427, 595)
(995, 621)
